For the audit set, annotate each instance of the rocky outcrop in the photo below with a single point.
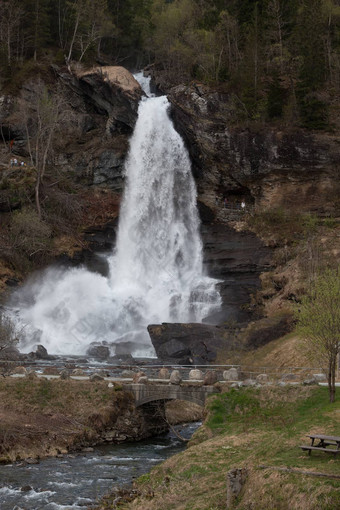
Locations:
(187, 344)
(237, 259)
(264, 165)
(114, 91)
(104, 102)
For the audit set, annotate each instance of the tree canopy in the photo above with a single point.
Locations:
(280, 57)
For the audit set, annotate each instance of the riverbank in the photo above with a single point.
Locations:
(250, 428)
(43, 418)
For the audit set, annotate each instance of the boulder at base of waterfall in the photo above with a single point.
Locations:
(195, 375)
(123, 359)
(210, 378)
(175, 377)
(98, 351)
(188, 343)
(40, 353)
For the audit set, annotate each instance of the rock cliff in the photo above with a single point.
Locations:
(268, 166)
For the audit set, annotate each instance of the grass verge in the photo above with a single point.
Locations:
(250, 428)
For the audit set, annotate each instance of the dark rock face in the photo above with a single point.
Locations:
(236, 258)
(106, 106)
(291, 168)
(188, 343)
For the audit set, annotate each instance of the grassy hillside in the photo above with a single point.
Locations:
(251, 428)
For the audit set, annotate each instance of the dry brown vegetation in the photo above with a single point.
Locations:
(42, 417)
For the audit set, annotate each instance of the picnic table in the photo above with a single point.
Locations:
(322, 444)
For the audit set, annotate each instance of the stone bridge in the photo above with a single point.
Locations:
(145, 393)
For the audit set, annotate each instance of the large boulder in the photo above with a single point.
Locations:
(98, 351)
(188, 343)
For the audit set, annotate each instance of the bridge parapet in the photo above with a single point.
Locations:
(145, 393)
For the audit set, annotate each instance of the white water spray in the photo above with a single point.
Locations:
(156, 272)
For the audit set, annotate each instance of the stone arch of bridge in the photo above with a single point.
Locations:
(150, 398)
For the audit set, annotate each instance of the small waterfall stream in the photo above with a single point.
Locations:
(156, 272)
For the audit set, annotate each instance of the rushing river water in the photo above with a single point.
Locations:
(77, 481)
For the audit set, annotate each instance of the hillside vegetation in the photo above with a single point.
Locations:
(256, 429)
(278, 58)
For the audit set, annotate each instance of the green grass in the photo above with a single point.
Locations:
(251, 427)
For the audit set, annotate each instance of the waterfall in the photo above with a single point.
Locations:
(156, 272)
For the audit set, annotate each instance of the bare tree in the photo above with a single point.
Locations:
(319, 323)
(9, 335)
(44, 115)
(10, 17)
(91, 23)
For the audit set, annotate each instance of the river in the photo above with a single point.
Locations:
(77, 481)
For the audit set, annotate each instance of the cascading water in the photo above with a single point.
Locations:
(156, 272)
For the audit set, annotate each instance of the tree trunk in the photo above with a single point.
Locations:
(331, 379)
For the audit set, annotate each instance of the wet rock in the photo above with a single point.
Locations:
(41, 352)
(123, 359)
(196, 375)
(210, 378)
(187, 343)
(98, 351)
(231, 374)
(26, 488)
(30, 460)
(175, 377)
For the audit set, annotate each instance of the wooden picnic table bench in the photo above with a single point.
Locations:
(324, 442)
